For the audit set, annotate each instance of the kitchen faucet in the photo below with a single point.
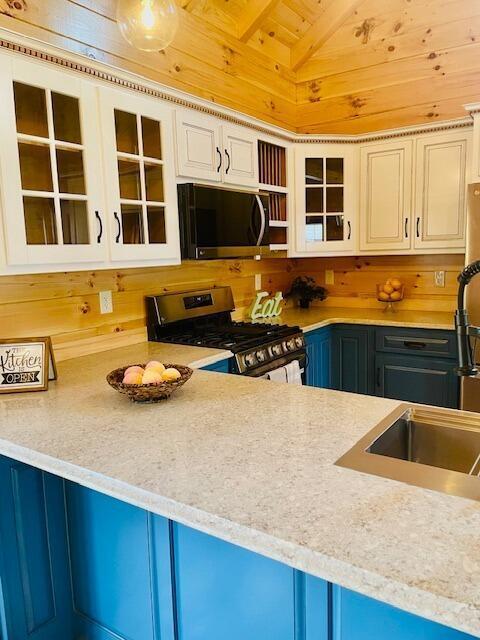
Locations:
(466, 355)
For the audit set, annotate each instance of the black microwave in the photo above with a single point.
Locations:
(222, 223)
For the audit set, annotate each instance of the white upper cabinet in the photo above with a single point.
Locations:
(240, 149)
(325, 178)
(386, 196)
(440, 190)
(51, 172)
(199, 146)
(209, 150)
(140, 178)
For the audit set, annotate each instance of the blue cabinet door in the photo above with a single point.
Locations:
(353, 358)
(34, 572)
(224, 591)
(120, 569)
(417, 379)
(319, 358)
(221, 367)
(357, 617)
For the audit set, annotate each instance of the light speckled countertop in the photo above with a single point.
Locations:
(322, 316)
(224, 456)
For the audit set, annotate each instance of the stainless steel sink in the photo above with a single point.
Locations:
(433, 448)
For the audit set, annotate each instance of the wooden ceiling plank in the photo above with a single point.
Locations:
(433, 112)
(425, 66)
(253, 15)
(330, 20)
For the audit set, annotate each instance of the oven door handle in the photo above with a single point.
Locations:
(263, 226)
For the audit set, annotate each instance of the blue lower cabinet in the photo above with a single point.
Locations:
(120, 566)
(34, 575)
(357, 617)
(417, 379)
(76, 564)
(353, 352)
(221, 367)
(224, 591)
(319, 358)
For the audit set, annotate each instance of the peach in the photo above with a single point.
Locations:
(171, 374)
(388, 288)
(151, 376)
(383, 296)
(396, 295)
(134, 369)
(134, 377)
(396, 284)
(154, 364)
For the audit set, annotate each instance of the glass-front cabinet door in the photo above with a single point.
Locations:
(325, 181)
(51, 183)
(142, 199)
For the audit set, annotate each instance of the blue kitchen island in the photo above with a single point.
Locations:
(218, 514)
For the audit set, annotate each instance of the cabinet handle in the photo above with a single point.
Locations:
(349, 230)
(378, 377)
(228, 158)
(418, 227)
(406, 227)
(119, 232)
(100, 227)
(414, 344)
(219, 160)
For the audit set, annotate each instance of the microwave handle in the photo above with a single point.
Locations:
(264, 220)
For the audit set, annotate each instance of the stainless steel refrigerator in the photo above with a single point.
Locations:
(470, 395)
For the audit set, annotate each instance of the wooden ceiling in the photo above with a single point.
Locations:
(312, 66)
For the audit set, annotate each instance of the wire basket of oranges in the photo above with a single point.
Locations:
(389, 293)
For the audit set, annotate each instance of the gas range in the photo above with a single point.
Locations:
(203, 318)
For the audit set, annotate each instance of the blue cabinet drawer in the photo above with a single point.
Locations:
(425, 342)
(417, 379)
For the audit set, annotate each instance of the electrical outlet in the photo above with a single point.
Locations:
(329, 276)
(439, 278)
(258, 282)
(106, 302)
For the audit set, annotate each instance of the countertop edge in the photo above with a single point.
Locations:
(405, 597)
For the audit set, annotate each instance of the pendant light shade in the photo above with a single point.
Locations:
(149, 25)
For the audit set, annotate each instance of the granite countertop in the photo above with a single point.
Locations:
(224, 456)
(322, 316)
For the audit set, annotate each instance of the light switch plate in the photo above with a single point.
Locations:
(106, 302)
(439, 278)
(329, 276)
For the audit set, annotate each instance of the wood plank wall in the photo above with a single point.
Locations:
(66, 306)
(355, 279)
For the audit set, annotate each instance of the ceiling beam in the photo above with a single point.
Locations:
(253, 15)
(332, 17)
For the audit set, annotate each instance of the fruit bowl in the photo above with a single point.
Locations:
(389, 299)
(151, 392)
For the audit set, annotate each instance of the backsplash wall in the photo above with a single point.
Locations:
(66, 305)
(355, 279)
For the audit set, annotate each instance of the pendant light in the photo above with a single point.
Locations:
(149, 25)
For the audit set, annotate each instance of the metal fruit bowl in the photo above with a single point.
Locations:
(153, 392)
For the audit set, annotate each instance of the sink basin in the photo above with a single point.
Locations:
(432, 448)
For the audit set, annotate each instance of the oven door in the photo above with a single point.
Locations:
(224, 223)
(300, 355)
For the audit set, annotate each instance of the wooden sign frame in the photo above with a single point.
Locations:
(26, 364)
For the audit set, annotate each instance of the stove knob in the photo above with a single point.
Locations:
(250, 360)
(261, 356)
(277, 350)
(291, 345)
(299, 341)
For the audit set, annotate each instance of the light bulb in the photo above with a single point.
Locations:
(149, 25)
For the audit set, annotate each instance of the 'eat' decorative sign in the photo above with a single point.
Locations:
(265, 307)
(26, 364)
